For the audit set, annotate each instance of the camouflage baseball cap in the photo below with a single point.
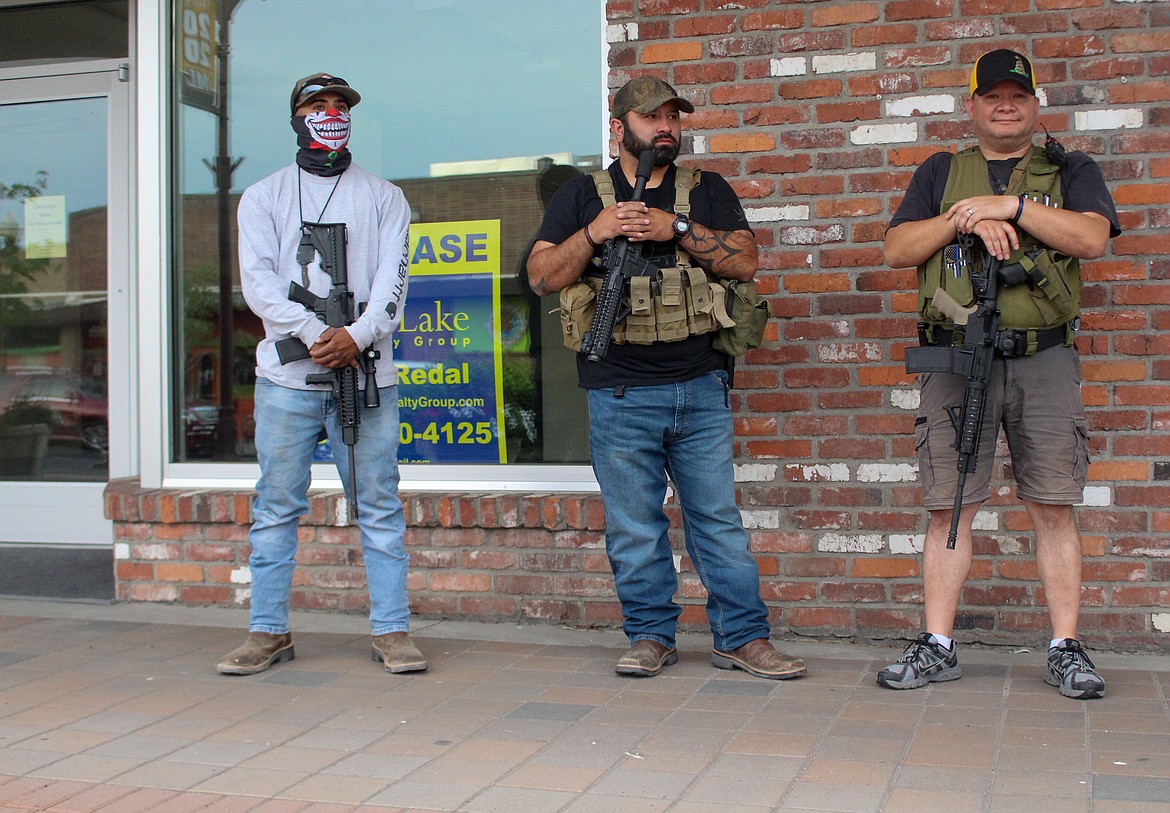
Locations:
(645, 94)
(316, 84)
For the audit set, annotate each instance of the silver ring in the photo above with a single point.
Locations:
(970, 212)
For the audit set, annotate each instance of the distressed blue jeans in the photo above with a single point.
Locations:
(637, 437)
(288, 422)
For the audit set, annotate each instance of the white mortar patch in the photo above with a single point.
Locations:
(920, 106)
(884, 133)
(840, 63)
(788, 66)
(887, 472)
(820, 473)
(1098, 496)
(760, 519)
(755, 473)
(241, 575)
(985, 521)
(907, 543)
(621, 32)
(843, 543)
(771, 214)
(1109, 119)
(905, 399)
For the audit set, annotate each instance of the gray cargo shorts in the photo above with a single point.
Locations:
(1037, 401)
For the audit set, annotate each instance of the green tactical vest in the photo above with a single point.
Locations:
(1052, 295)
(682, 301)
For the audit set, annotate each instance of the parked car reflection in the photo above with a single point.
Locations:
(78, 405)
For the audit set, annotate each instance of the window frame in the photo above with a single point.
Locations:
(155, 192)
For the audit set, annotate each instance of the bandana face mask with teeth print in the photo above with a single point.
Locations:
(322, 136)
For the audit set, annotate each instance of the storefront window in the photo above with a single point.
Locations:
(478, 111)
(98, 29)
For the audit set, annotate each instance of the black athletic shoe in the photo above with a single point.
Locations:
(923, 662)
(1071, 671)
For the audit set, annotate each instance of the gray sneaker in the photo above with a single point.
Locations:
(923, 662)
(1071, 671)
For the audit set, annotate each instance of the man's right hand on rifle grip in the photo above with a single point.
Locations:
(335, 348)
(627, 218)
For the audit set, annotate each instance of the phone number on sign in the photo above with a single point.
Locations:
(463, 432)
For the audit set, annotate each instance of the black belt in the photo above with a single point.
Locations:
(1009, 342)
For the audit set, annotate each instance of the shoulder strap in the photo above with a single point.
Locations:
(965, 164)
(604, 184)
(684, 181)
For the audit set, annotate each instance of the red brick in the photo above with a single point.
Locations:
(461, 582)
(818, 617)
(770, 20)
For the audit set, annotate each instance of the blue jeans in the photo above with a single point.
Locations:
(636, 438)
(287, 425)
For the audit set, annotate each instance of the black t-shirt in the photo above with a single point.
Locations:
(1081, 186)
(714, 205)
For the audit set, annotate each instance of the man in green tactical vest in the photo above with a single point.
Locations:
(1036, 211)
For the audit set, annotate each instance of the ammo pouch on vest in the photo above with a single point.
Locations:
(668, 305)
(750, 314)
(1048, 294)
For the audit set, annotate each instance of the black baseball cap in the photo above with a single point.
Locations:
(645, 94)
(318, 83)
(996, 66)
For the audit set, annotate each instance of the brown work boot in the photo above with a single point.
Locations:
(260, 651)
(645, 659)
(761, 659)
(397, 653)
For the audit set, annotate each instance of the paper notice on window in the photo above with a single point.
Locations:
(44, 227)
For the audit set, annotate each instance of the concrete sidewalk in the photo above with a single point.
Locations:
(118, 708)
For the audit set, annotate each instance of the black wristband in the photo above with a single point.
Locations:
(1019, 210)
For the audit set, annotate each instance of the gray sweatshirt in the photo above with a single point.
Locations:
(377, 219)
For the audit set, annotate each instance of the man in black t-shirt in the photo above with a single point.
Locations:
(660, 408)
(1004, 192)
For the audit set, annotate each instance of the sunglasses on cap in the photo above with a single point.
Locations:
(310, 86)
(320, 85)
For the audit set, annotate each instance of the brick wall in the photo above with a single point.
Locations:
(819, 112)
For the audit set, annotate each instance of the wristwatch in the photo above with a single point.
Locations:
(681, 226)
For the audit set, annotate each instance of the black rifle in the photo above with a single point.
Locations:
(971, 359)
(620, 265)
(335, 309)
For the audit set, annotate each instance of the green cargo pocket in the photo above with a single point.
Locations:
(1081, 468)
(1054, 299)
(578, 301)
(748, 332)
(922, 447)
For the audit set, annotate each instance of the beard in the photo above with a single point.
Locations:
(664, 154)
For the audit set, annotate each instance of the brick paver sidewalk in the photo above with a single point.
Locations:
(103, 709)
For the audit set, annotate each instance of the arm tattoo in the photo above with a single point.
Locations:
(714, 250)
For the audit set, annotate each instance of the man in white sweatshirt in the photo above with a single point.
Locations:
(323, 186)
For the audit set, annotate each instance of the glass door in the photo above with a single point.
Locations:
(64, 249)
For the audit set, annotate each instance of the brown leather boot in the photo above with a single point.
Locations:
(260, 651)
(398, 653)
(645, 659)
(761, 659)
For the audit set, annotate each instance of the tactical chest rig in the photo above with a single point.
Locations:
(675, 302)
(1043, 307)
